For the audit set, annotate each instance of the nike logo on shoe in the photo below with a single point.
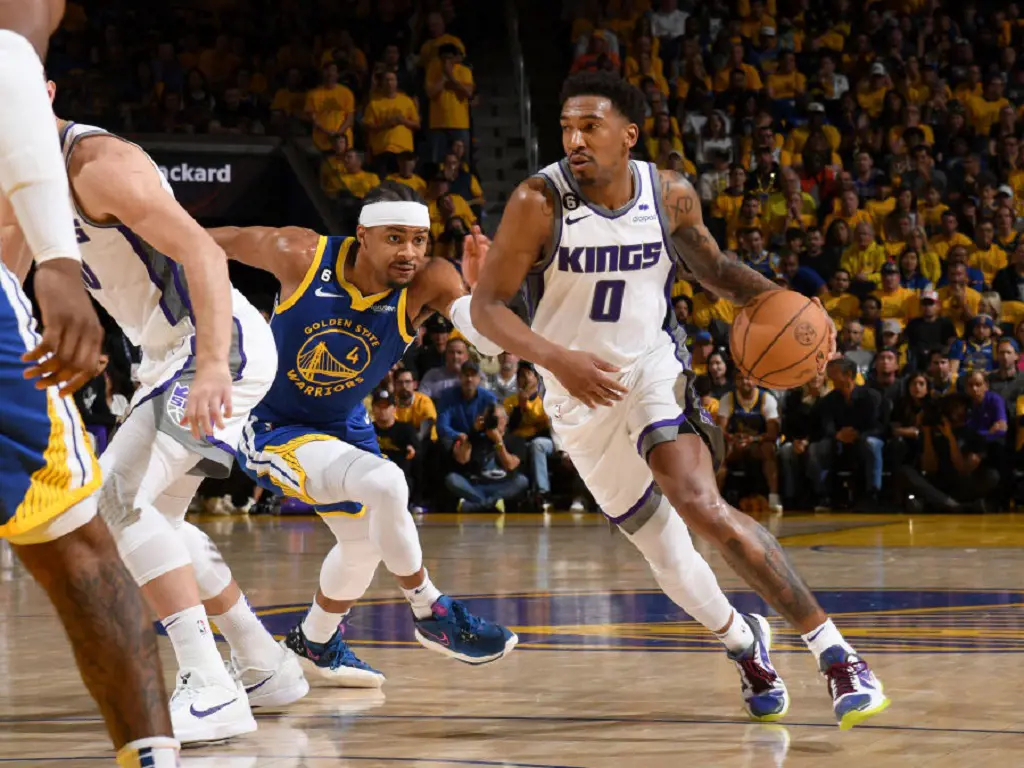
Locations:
(325, 295)
(570, 221)
(442, 639)
(260, 684)
(201, 713)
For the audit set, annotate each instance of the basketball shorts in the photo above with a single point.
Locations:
(268, 454)
(165, 379)
(48, 472)
(609, 445)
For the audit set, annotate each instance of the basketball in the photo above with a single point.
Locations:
(780, 339)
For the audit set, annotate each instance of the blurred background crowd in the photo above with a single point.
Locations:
(865, 153)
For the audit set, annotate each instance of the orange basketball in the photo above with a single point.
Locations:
(780, 339)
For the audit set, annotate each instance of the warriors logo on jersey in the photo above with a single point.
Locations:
(333, 357)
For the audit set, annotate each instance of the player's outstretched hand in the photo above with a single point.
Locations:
(69, 354)
(474, 253)
(586, 378)
(209, 400)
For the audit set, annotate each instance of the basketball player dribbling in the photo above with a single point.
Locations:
(596, 238)
(48, 474)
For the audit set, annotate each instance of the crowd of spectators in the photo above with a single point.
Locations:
(382, 89)
(868, 154)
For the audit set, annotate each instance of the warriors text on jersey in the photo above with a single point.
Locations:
(604, 286)
(333, 343)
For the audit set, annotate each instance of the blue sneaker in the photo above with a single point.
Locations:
(856, 692)
(454, 631)
(333, 661)
(764, 694)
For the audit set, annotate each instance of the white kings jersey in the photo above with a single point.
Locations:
(604, 287)
(142, 289)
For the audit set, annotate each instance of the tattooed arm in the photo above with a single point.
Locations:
(730, 279)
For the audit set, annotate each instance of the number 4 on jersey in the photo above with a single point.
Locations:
(607, 306)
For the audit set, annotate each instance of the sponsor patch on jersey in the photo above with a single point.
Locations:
(176, 401)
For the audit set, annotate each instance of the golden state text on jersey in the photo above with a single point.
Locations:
(334, 344)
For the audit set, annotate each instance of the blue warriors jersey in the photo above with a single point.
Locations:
(747, 421)
(974, 356)
(334, 345)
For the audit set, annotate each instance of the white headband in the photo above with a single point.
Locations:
(400, 213)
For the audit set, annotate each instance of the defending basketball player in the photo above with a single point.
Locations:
(48, 474)
(207, 359)
(595, 237)
(348, 310)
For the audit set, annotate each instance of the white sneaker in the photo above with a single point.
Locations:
(202, 711)
(577, 507)
(278, 687)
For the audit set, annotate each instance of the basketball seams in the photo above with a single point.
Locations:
(750, 321)
(767, 347)
(817, 348)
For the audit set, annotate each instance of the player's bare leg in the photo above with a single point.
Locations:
(684, 472)
(113, 640)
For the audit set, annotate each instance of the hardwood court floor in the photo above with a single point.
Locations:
(608, 674)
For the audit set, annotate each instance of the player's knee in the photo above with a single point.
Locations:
(386, 490)
(212, 573)
(150, 547)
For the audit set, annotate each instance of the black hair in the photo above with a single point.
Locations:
(627, 99)
(448, 49)
(392, 192)
(846, 365)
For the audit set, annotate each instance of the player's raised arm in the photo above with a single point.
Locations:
(284, 252)
(114, 180)
(524, 233)
(729, 278)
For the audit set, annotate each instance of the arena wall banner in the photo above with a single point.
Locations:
(215, 179)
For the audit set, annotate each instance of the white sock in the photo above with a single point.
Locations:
(152, 752)
(738, 637)
(32, 173)
(820, 639)
(773, 500)
(319, 626)
(422, 598)
(250, 642)
(194, 646)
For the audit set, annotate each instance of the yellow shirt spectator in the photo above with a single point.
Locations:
(798, 137)
(289, 102)
(941, 244)
(726, 205)
(420, 410)
(753, 77)
(460, 209)
(985, 113)
(429, 50)
(447, 88)
(734, 224)
(841, 308)
(900, 304)
(783, 85)
(413, 182)
(704, 311)
(972, 299)
(859, 216)
(531, 420)
(1012, 312)
(879, 209)
(330, 106)
(682, 288)
(871, 100)
(931, 215)
(336, 177)
(989, 260)
(381, 118)
(867, 261)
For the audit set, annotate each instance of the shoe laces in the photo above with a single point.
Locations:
(761, 678)
(338, 653)
(843, 675)
(466, 621)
